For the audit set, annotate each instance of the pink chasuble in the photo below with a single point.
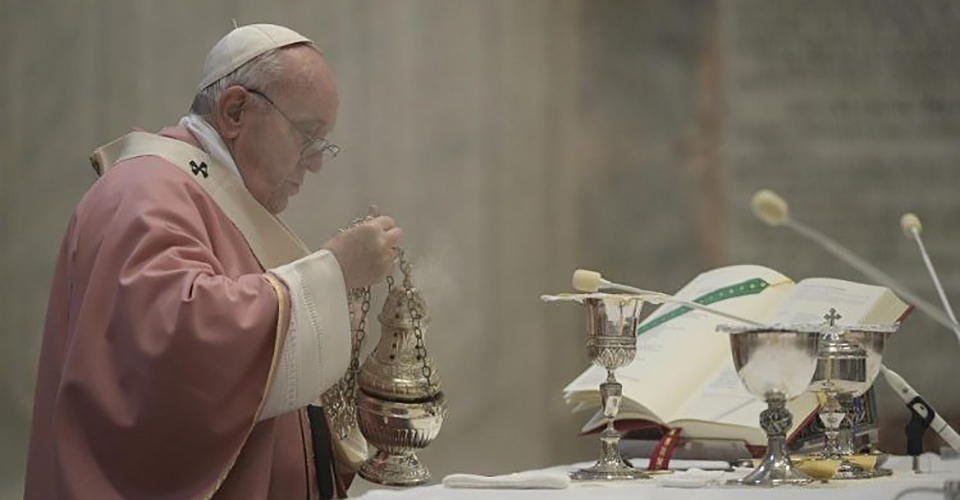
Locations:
(159, 339)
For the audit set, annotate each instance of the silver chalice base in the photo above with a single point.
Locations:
(611, 466)
(775, 364)
(774, 472)
(877, 471)
(850, 470)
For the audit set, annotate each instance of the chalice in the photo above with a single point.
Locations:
(775, 364)
(848, 362)
(611, 344)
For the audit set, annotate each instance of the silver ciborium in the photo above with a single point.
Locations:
(399, 404)
(848, 362)
(611, 344)
(775, 364)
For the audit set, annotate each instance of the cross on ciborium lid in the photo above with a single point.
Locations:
(832, 330)
(832, 317)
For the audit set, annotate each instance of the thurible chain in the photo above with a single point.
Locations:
(417, 316)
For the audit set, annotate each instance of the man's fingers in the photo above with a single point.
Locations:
(394, 237)
(375, 211)
(385, 222)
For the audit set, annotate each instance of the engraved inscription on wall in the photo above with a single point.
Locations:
(851, 110)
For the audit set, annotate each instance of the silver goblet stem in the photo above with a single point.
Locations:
(611, 465)
(849, 469)
(848, 425)
(776, 467)
(831, 415)
(612, 392)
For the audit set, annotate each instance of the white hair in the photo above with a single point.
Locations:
(261, 73)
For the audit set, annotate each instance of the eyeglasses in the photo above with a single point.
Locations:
(313, 145)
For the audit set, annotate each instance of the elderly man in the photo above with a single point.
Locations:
(188, 329)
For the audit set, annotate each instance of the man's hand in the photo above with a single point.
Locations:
(366, 251)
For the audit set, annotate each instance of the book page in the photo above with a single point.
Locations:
(856, 303)
(723, 400)
(724, 409)
(629, 410)
(676, 357)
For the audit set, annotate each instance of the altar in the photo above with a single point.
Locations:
(904, 482)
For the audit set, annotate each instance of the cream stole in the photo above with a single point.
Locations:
(272, 242)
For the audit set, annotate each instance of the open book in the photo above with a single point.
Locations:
(683, 375)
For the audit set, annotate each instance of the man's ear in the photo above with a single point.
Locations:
(231, 106)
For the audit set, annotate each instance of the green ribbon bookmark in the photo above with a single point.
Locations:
(749, 287)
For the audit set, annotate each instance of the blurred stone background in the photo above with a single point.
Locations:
(515, 141)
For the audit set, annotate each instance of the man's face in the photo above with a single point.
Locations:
(269, 147)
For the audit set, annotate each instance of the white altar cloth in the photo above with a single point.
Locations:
(939, 471)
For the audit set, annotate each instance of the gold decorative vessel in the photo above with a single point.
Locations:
(399, 404)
